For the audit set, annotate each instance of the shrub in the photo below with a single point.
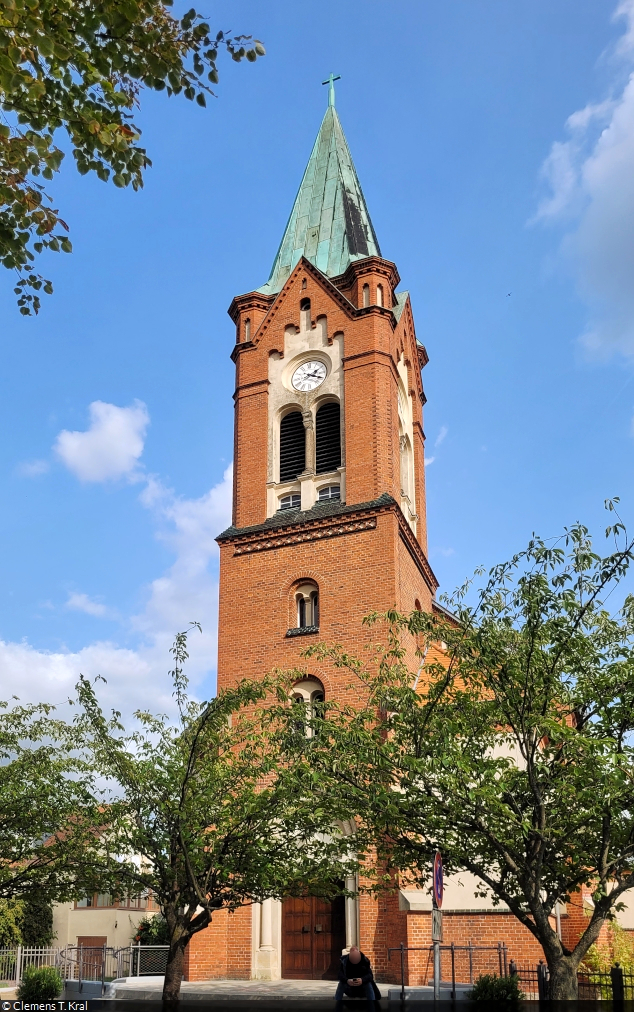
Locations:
(40, 983)
(152, 931)
(489, 987)
(36, 921)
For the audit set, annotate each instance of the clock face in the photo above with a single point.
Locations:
(309, 375)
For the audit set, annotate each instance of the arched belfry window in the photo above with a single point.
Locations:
(328, 438)
(247, 330)
(292, 446)
(366, 295)
(379, 295)
(304, 609)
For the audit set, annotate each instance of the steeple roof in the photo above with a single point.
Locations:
(329, 223)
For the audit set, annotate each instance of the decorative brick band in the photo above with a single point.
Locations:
(315, 532)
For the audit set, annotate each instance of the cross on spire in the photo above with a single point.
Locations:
(331, 90)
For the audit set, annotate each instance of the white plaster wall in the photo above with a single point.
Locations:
(406, 426)
(459, 895)
(117, 924)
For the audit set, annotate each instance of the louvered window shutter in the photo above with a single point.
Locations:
(292, 446)
(328, 438)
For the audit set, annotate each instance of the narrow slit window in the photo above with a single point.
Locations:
(379, 295)
(247, 330)
(328, 438)
(366, 295)
(304, 308)
(292, 446)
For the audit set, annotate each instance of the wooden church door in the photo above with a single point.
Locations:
(313, 935)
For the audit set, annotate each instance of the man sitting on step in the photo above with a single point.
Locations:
(356, 979)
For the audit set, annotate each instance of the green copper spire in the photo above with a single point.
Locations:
(329, 223)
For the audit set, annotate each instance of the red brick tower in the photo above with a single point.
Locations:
(329, 501)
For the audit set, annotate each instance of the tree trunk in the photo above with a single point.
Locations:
(174, 970)
(563, 978)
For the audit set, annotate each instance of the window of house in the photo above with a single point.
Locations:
(379, 295)
(142, 902)
(366, 295)
(292, 446)
(330, 492)
(290, 502)
(328, 438)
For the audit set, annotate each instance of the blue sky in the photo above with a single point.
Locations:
(495, 145)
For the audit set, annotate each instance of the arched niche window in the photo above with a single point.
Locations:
(247, 330)
(379, 295)
(406, 467)
(307, 605)
(290, 502)
(366, 295)
(328, 438)
(329, 492)
(308, 697)
(304, 309)
(292, 446)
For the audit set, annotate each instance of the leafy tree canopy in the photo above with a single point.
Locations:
(81, 65)
(43, 786)
(201, 811)
(515, 752)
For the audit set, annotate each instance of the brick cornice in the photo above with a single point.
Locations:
(262, 538)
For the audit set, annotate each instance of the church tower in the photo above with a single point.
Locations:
(328, 499)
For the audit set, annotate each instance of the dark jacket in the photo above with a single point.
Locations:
(362, 969)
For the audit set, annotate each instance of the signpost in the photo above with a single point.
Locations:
(436, 918)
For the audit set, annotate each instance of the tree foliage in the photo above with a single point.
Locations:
(514, 754)
(43, 786)
(201, 811)
(81, 65)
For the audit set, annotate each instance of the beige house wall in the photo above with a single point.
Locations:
(117, 924)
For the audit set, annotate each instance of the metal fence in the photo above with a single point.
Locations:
(459, 964)
(85, 963)
(609, 985)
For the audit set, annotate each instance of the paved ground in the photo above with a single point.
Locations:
(206, 990)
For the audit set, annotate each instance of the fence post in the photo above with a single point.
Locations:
(453, 972)
(504, 954)
(513, 968)
(103, 971)
(402, 972)
(541, 980)
(616, 976)
(18, 965)
(80, 966)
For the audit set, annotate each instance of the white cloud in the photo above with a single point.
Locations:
(441, 435)
(591, 181)
(429, 460)
(81, 602)
(188, 590)
(33, 468)
(110, 448)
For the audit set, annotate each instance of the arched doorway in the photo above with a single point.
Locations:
(313, 936)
